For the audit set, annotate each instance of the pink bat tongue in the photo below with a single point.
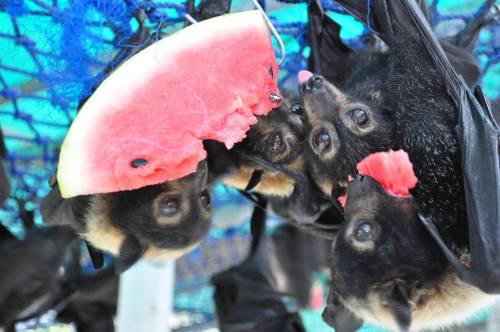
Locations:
(304, 75)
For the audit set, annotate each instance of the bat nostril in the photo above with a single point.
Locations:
(305, 88)
(316, 82)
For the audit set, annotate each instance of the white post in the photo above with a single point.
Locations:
(145, 298)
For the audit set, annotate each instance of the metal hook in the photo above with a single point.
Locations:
(273, 31)
(269, 25)
(190, 19)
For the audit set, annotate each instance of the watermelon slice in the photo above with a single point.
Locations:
(146, 122)
(392, 169)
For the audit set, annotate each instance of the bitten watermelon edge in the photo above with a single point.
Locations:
(146, 122)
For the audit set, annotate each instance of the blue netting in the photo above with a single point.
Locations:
(53, 53)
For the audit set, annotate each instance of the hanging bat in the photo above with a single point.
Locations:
(31, 267)
(385, 267)
(413, 99)
(427, 85)
(245, 295)
(162, 221)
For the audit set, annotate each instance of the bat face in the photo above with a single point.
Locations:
(387, 269)
(272, 145)
(174, 214)
(277, 137)
(345, 126)
(159, 221)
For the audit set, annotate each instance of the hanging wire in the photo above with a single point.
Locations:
(273, 31)
(269, 25)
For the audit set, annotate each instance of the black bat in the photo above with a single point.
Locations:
(370, 105)
(478, 141)
(387, 270)
(29, 279)
(271, 147)
(296, 256)
(245, 295)
(4, 181)
(92, 304)
(416, 90)
(159, 221)
(355, 74)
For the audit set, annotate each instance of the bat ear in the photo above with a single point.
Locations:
(96, 256)
(254, 179)
(131, 251)
(338, 316)
(399, 305)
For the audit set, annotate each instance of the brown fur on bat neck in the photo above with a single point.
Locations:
(270, 183)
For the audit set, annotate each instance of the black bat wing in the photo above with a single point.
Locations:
(56, 210)
(329, 56)
(245, 295)
(4, 181)
(339, 317)
(209, 8)
(6, 234)
(478, 139)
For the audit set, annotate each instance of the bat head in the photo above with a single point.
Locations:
(159, 221)
(277, 137)
(274, 148)
(386, 268)
(345, 126)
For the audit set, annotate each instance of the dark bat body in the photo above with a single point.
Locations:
(295, 255)
(92, 304)
(161, 221)
(409, 98)
(245, 295)
(30, 273)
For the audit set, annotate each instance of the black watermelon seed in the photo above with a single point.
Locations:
(136, 163)
(275, 98)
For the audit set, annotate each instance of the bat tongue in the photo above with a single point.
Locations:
(304, 75)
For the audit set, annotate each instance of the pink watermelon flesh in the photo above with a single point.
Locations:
(392, 169)
(207, 81)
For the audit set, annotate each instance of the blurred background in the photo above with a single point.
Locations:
(53, 52)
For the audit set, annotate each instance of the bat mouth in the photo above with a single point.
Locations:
(339, 189)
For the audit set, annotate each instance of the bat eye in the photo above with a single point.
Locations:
(296, 108)
(322, 140)
(276, 142)
(365, 230)
(358, 116)
(169, 207)
(205, 199)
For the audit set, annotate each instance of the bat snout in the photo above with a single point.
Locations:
(311, 83)
(362, 185)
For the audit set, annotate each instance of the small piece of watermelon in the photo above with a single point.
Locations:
(392, 169)
(145, 123)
